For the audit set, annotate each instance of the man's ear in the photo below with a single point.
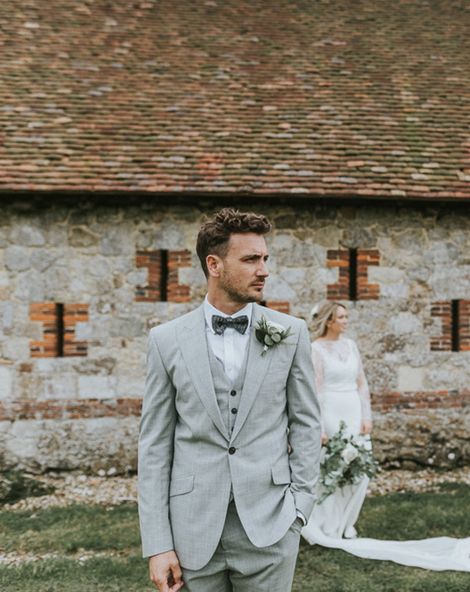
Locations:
(214, 265)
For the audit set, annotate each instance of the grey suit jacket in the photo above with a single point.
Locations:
(188, 462)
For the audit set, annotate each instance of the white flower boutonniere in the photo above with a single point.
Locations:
(270, 334)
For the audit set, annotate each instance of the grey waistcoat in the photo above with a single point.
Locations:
(227, 392)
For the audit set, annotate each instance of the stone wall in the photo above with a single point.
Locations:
(80, 286)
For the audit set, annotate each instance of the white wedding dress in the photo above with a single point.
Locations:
(344, 396)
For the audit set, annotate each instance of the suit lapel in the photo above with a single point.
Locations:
(193, 343)
(257, 367)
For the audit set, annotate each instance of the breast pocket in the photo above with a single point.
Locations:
(281, 362)
(280, 374)
(277, 378)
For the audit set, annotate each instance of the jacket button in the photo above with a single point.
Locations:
(234, 410)
(232, 450)
(233, 393)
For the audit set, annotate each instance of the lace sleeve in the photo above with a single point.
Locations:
(362, 387)
(317, 360)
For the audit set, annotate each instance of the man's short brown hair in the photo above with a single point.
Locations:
(214, 235)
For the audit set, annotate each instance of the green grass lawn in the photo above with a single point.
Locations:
(91, 528)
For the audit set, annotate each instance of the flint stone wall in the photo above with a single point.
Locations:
(82, 412)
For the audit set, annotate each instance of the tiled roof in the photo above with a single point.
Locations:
(315, 97)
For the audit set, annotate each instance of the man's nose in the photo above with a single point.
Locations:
(263, 269)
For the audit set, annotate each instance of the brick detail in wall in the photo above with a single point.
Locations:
(362, 260)
(67, 409)
(73, 314)
(365, 259)
(59, 326)
(442, 310)
(162, 281)
(455, 325)
(153, 261)
(339, 259)
(279, 305)
(46, 314)
(464, 325)
(176, 260)
(418, 401)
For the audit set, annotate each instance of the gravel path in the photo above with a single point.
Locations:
(110, 491)
(71, 488)
(400, 481)
(11, 559)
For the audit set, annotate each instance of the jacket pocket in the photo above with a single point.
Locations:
(281, 473)
(181, 485)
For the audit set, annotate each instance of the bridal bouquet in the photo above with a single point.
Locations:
(345, 461)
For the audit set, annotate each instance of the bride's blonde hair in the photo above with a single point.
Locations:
(322, 313)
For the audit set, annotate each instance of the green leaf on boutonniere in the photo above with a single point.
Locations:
(270, 334)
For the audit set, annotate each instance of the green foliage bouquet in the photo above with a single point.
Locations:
(345, 461)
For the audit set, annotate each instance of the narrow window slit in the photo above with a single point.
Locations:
(455, 321)
(60, 329)
(164, 275)
(352, 274)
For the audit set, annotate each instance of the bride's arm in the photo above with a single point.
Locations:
(364, 394)
(319, 381)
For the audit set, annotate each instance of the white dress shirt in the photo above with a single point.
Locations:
(230, 347)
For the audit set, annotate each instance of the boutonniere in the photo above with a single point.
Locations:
(270, 334)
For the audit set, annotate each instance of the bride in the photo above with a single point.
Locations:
(344, 396)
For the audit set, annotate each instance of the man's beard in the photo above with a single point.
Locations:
(237, 296)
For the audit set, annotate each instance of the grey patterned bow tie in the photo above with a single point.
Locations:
(219, 324)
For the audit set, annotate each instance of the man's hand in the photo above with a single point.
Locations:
(165, 572)
(324, 438)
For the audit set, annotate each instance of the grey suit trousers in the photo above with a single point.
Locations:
(238, 566)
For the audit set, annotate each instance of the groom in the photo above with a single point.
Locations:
(230, 434)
